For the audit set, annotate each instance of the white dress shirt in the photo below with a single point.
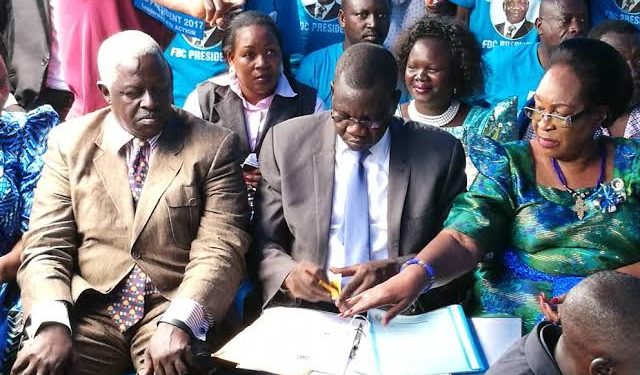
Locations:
(327, 8)
(117, 140)
(377, 170)
(508, 25)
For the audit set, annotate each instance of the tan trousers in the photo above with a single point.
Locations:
(98, 345)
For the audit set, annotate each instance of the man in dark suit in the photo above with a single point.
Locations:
(354, 191)
(324, 9)
(516, 25)
(138, 229)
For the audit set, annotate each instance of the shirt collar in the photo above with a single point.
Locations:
(379, 151)
(517, 25)
(326, 7)
(283, 88)
(116, 137)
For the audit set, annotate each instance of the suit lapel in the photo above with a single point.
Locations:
(399, 172)
(112, 170)
(163, 169)
(281, 109)
(323, 176)
(232, 116)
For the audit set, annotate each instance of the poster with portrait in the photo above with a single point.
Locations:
(194, 60)
(319, 25)
(625, 10)
(514, 19)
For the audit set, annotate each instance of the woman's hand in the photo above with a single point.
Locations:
(399, 292)
(549, 307)
(10, 262)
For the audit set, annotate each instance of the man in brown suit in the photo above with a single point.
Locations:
(138, 231)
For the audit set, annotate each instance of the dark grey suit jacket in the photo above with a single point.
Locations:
(295, 196)
(222, 106)
(30, 50)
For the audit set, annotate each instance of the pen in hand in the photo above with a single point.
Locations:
(335, 292)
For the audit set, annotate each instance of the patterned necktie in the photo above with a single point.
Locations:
(127, 304)
(356, 214)
(138, 168)
(320, 9)
(510, 31)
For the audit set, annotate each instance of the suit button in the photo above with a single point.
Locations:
(192, 202)
(135, 255)
(44, 61)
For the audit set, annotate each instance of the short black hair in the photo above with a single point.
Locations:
(602, 309)
(605, 76)
(246, 19)
(347, 3)
(613, 26)
(364, 65)
(463, 48)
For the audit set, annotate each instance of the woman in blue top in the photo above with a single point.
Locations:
(22, 142)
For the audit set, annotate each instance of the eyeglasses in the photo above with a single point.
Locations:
(537, 115)
(346, 121)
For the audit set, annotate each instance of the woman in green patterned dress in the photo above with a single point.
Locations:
(543, 213)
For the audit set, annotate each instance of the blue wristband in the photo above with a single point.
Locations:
(428, 270)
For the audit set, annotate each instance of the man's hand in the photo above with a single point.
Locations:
(48, 352)
(169, 352)
(218, 12)
(364, 276)
(302, 282)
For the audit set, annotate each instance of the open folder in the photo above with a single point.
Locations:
(293, 341)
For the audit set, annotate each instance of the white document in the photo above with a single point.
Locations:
(292, 341)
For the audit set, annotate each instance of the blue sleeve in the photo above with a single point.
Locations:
(493, 83)
(35, 132)
(306, 73)
(468, 4)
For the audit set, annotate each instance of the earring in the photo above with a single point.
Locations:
(231, 70)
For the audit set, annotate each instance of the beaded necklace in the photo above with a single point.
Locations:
(580, 207)
(438, 120)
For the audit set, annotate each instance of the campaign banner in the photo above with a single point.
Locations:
(178, 22)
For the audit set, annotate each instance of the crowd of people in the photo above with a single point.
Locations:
(158, 189)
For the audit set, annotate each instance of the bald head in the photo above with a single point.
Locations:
(599, 323)
(560, 20)
(122, 48)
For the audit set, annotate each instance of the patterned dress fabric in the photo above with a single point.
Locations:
(539, 244)
(22, 143)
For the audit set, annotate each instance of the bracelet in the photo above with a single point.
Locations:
(426, 267)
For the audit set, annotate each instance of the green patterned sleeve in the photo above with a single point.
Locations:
(486, 211)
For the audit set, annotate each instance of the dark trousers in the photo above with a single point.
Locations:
(60, 100)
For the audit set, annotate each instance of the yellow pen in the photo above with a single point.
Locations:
(329, 288)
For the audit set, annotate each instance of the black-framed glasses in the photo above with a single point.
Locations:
(556, 120)
(347, 121)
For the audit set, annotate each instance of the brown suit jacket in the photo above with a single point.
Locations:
(188, 232)
(295, 196)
